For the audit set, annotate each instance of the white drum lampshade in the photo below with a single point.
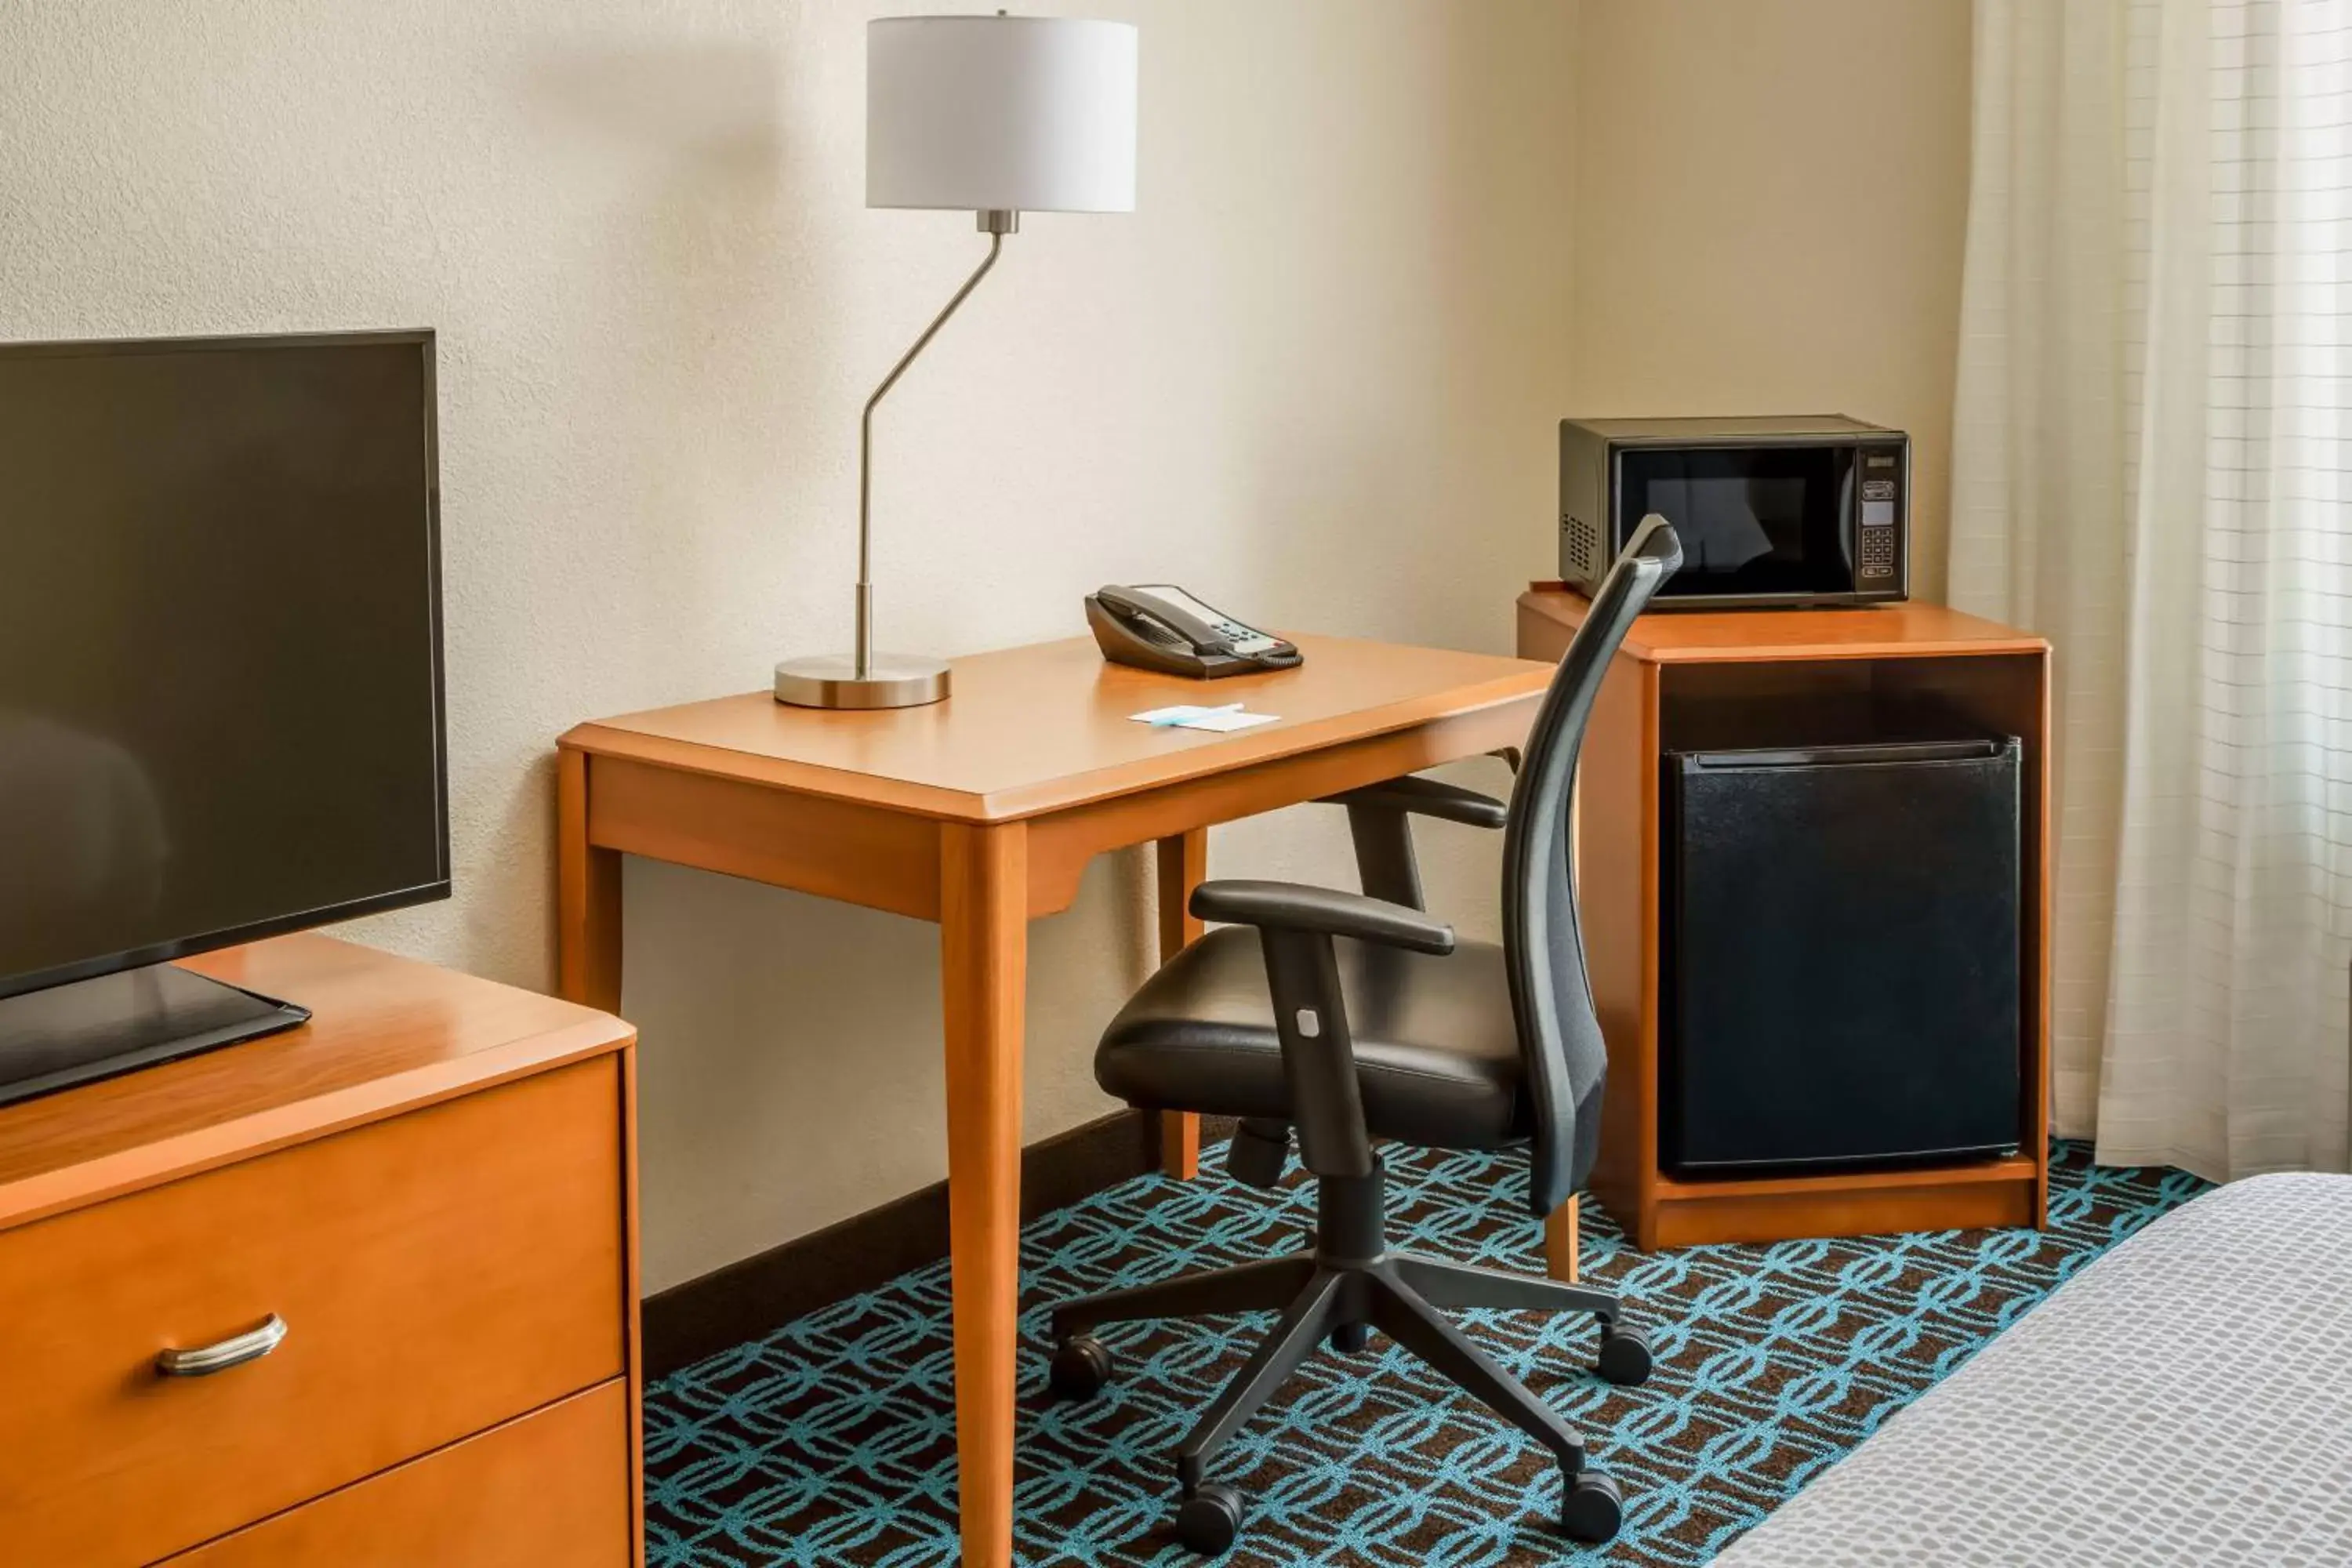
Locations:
(1001, 113)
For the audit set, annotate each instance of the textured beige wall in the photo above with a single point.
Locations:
(1316, 378)
(1313, 378)
(1772, 201)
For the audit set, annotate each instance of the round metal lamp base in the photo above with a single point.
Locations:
(891, 681)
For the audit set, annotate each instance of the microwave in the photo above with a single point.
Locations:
(1803, 510)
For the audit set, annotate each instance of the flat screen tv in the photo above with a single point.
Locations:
(220, 676)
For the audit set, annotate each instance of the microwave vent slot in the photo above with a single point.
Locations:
(1583, 546)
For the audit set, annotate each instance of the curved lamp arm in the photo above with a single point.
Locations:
(996, 225)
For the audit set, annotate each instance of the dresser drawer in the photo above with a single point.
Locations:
(551, 1490)
(438, 1273)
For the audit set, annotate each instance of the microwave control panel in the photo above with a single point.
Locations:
(1879, 468)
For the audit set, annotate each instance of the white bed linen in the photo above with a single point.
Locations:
(2187, 1399)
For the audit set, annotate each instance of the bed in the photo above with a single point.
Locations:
(2187, 1399)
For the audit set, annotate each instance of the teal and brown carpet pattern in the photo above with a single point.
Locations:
(831, 1441)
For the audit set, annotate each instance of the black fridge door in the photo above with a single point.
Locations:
(1842, 957)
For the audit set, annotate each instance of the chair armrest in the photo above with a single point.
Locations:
(1294, 926)
(1326, 911)
(1428, 797)
(1377, 821)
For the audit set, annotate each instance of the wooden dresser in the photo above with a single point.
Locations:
(430, 1186)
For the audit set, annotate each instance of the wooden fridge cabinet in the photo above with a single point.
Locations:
(1674, 666)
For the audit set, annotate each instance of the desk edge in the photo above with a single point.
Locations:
(1068, 793)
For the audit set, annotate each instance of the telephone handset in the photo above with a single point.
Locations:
(1160, 627)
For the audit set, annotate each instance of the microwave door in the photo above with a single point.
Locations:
(1756, 521)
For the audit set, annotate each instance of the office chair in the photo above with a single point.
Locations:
(1350, 1018)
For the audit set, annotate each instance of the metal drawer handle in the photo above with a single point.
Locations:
(206, 1360)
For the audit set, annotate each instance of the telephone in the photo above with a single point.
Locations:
(1160, 627)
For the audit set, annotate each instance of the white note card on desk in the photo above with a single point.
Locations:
(1229, 718)
(1187, 716)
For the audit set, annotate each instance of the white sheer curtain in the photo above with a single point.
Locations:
(2150, 465)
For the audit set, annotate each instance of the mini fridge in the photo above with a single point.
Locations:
(1840, 956)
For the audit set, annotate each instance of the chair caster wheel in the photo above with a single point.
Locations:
(1624, 1356)
(1350, 1338)
(1593, 1509)
(1082, 1364)
(1210, 1521)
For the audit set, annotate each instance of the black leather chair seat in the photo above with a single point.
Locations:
(1437, 1057)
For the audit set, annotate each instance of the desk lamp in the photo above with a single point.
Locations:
(993, 115)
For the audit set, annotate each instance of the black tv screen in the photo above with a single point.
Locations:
(220, 666)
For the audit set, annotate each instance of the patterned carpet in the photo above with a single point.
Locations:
(831, 1441)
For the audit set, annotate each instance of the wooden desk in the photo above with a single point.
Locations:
(1673, 665)
(980, 812)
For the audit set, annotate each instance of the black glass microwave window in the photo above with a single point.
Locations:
(1753, 520)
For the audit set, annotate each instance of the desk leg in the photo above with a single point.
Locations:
(1563, 1241)
(587, 897)
(983, 973)
(1183, 866)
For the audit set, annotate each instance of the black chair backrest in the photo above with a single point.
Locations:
(1552, 999)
